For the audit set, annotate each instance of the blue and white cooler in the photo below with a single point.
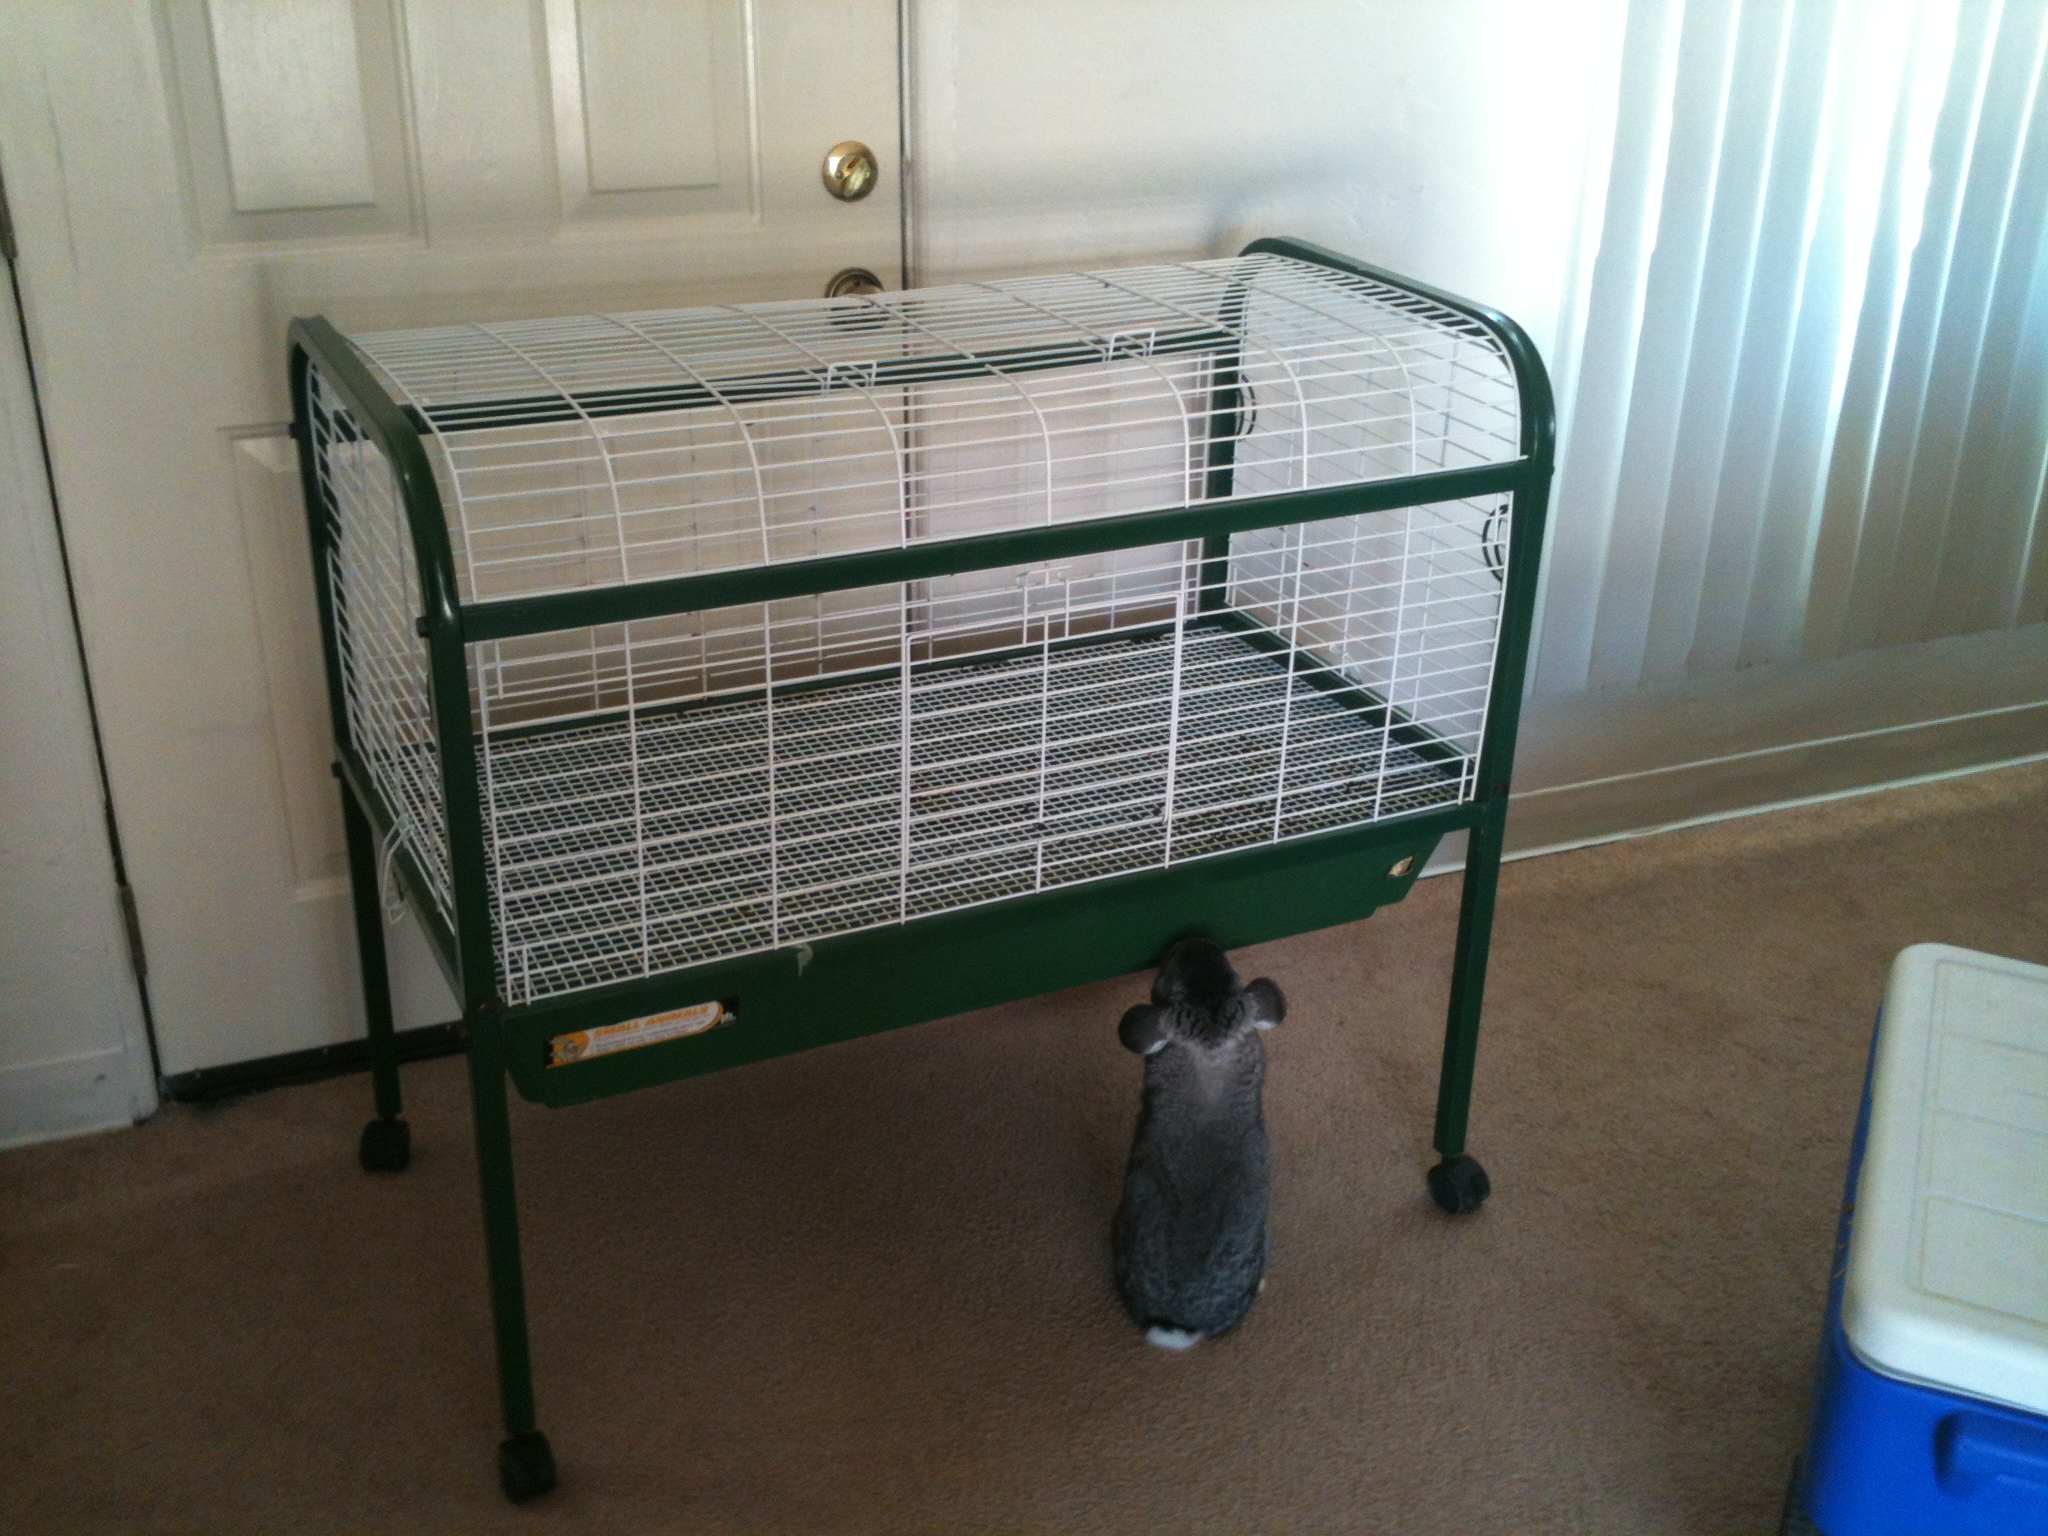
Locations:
(1931, 1412)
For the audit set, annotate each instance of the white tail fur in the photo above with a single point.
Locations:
(1175, 1339)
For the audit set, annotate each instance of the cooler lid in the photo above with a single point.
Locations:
(1948, 1265)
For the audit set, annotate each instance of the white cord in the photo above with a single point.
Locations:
(390, 894)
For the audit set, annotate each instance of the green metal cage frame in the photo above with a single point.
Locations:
(930, 967)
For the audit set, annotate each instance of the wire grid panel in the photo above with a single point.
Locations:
(674, 791)
(374, 586)
(1405, 605)
(607, 449)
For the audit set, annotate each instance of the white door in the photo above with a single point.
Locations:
(188, 175)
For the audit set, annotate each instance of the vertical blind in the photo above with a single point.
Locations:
(1811, 405)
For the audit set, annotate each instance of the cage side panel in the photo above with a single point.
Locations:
(1406, 605)
(708, 785)
(375, 590)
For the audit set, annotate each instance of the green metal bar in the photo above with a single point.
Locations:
(1023, 546)
(501, 1217)
(880, 372)
(1531, 493)
(379, 419)
(1215, 575)
(1488, 835)
(843, 987)
(1468, 977)
(362, 872)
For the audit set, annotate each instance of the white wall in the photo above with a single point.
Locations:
(1449, 140)
(73, 1054)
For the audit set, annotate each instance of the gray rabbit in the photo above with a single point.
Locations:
(1190, 1235)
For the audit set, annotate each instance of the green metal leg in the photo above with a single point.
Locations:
(526, 1465)
(1458, 1183)
(386, 1145)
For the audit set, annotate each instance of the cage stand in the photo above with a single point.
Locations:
(1457, 1183)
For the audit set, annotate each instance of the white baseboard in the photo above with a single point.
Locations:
(1595, 767)
(70, 1096)
(1555, 818)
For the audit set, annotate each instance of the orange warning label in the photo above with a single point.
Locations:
(582, 1044)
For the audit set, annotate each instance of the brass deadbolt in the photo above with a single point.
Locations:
(850, 170)
(852, 282)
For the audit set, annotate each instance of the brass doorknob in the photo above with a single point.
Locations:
(852, 281)
(850, 170)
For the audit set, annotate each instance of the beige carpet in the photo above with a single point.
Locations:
(866, 1288)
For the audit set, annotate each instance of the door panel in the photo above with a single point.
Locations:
(626, 147)
(186, 176)
(290, 119)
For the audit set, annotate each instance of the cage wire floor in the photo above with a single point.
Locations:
(628, 847)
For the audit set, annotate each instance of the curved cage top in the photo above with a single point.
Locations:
(606, 449)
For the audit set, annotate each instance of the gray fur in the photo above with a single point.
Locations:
(1190, 1236)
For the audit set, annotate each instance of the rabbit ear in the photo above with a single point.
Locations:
(1267, 1004)
(1143, 1030)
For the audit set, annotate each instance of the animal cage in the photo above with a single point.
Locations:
(717, 683)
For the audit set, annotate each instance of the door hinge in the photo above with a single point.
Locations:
(131, 920)
(7, 248)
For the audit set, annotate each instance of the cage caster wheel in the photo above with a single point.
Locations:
(526, 1466)
(1459, 1184)
(386, 1146)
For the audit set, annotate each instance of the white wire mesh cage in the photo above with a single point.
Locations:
(719, 782)
(697, 440)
